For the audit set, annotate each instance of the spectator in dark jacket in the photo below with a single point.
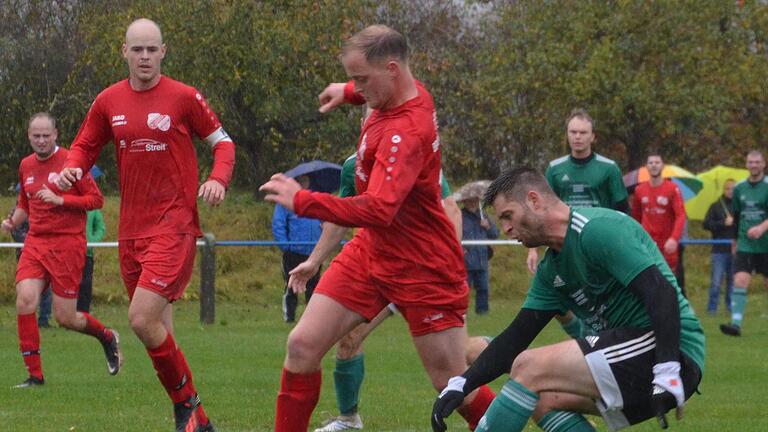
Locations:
(475, 226)
(719, 220)
(286, 226)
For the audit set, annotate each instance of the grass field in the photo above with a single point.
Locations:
(237, 361)
(237, 365)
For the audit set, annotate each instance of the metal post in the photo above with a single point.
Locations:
(208, 280)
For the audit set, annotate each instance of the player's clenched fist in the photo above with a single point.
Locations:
(68, 177)
(450, 398)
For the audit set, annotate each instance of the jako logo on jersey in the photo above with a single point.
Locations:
(159, 121)
(119, 120)
(53, 177)
(29, 180)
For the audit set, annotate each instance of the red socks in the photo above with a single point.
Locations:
(473, 412)
(297, 399)
(29, 344)
(96, 329)
(172, 370)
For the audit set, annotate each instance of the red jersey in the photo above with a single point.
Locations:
(660, 210)
(398, 202)
(47, 220)
(152, 133)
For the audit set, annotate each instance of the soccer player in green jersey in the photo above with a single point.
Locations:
(750, 208)
(582, 179)
(648, 354)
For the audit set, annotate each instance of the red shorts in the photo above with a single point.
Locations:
(162, 264)
(428, 307)
(59, 262)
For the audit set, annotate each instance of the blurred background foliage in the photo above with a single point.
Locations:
(686, 77)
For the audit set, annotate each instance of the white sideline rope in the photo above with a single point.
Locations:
(202, 243)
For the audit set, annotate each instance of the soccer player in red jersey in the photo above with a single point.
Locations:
(407, 253)
(54, 250)
(151, 118)
(659, 207)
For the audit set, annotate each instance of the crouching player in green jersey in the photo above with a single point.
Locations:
(648, 354)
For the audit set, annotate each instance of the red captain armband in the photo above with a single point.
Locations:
(351, 96)
(223, 162)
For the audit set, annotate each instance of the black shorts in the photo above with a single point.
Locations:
(621, 361)
(751, 262)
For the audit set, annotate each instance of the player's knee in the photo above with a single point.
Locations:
(26, 303)
(302, 348)
(525, 369)
(65, 319)
(138, 321)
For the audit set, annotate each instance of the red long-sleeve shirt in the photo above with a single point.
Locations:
(660, 210)
(152, 132)
(398, 201)
(48, 220)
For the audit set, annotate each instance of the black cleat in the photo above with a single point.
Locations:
(30, 382)
(186, 415)
(730, 329)
(113, 354)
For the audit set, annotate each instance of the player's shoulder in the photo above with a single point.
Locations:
(27, 161)
(590, 219)
(600, 159)
(559, 161)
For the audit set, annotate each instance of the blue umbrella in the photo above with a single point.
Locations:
(323, 176)
(96, 172)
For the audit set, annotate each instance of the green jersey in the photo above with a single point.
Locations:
(750, 201)
(347, 186)
(596, 183)
(602, 253)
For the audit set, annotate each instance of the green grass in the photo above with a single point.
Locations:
(237, 361)
(237, 365)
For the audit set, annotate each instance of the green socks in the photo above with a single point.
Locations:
(510, 410)
(347, 378)
(564, 421)
(738, 304)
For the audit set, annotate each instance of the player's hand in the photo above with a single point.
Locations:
(667, 387)
(331, 97)
(7, 226)
(68, 177)
(212, 192)
(281, 189)
(47, 196)
(755, 232)
(532, 260)
(300, 275)
(450, 398)
(670, 246)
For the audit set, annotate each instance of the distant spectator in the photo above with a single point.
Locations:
(658, 205)
(719, 220)
(287, 227)
(94, 232)
(475, 226)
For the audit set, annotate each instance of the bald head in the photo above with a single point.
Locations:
(144, 51)
(143, 27)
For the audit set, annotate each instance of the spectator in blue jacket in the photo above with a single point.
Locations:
(287, 227)
(476, 226)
